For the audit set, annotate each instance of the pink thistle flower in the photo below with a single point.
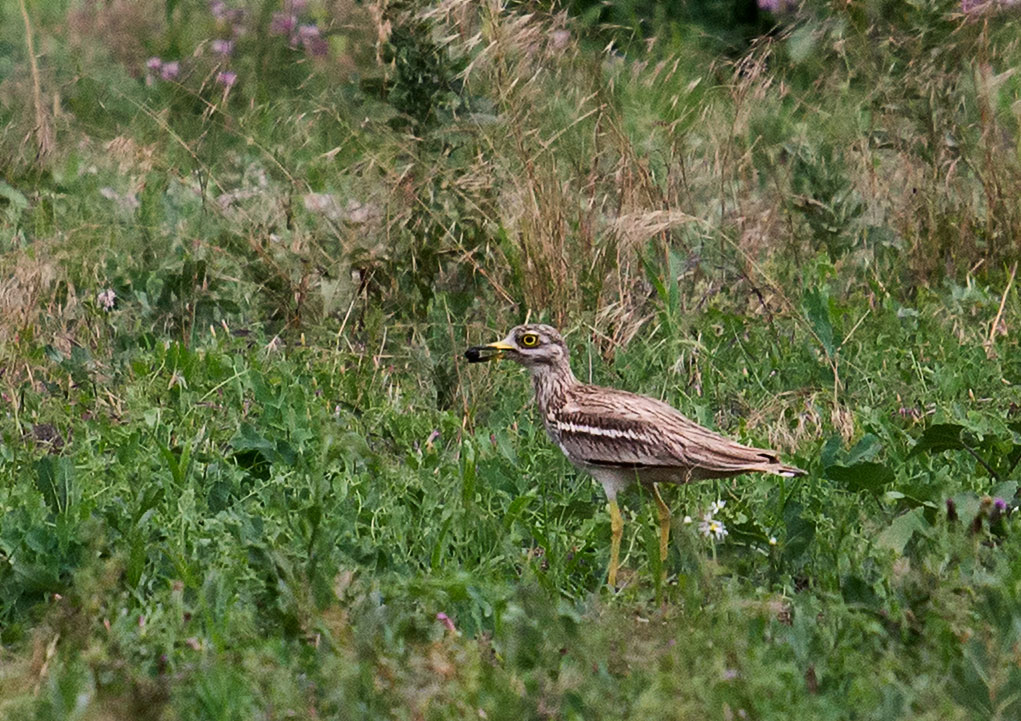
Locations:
(312, 40)
(222, 47)
(282, 24)
(227, 78)
(170, 70)
(445, 620)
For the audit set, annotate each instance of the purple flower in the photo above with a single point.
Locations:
(170, 70)
(222, 47)
(224, 14)
(311, 40)
(282, 23)
(999, 504)
(445, 620)
(154, 64)
(227, 78)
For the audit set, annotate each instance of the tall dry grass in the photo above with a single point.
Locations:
(555, 179)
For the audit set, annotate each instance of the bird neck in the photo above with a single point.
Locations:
(551, 383)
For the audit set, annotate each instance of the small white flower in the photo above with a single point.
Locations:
(711, 528)
(772, 540)
(716, 506)
(106, 299)
(687, 520)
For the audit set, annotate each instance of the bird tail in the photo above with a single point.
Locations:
(782, 469)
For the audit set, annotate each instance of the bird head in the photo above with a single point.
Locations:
(532, 345)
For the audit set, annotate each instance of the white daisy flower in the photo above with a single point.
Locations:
(712, 528)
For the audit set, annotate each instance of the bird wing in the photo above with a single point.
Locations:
(605, 426)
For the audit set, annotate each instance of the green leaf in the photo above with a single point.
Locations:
(830, 449)
(506, 448)
(1005, 490)
(468, 472)
(16, 201)
(801, 43)
(866, 476)
(967, 505)
(940, 437)
(800, 531)
(436, 557)
(173, 465)
(516, 508)
(858, 592)
(817, 309)
(55, 480)
(651, 538)
(900, 531)
(249, 439)
(864, 450)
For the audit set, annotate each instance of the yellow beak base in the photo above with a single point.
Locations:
(486, 353)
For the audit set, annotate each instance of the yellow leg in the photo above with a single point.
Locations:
(617, 529)
(664, 527)
(664, 523)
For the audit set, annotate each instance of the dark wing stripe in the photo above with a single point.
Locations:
(625, 466)
(616, 429)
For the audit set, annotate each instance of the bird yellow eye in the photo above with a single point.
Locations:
(529, 340)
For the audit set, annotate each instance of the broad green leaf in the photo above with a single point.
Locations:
(857, 591)
(900, 531)
(866, 476)
(940, 437)
(802, 42)
(966, 505)
(55, 480)
(1005, 490)
(831, 449)
(864, 450)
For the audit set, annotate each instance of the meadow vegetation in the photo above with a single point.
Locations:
(245, 473)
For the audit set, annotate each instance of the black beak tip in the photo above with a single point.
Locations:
(482, 354)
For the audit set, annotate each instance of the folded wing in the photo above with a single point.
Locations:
(608, 427)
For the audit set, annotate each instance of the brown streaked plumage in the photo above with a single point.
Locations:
(620, 437)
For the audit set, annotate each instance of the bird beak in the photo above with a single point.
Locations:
(486, 353)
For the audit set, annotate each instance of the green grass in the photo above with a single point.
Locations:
(264, 484)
